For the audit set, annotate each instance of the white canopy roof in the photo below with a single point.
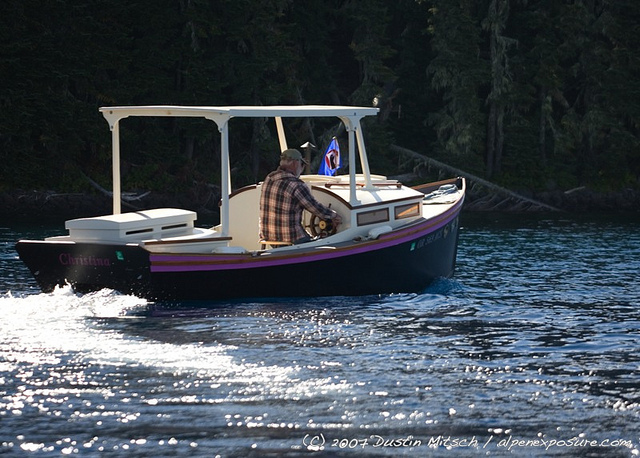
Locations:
(113, 114)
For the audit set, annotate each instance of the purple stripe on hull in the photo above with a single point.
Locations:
(191, 263)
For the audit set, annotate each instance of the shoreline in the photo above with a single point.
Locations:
(51, 206)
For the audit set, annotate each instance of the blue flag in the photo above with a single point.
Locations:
(332, 160)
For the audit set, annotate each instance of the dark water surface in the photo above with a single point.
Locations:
(532, 350)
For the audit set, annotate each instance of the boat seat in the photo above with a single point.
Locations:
(273, 244)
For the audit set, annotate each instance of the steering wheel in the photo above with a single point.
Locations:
(320, 227)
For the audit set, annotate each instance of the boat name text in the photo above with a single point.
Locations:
(67, 259)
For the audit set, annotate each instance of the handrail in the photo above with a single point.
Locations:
(395, 183)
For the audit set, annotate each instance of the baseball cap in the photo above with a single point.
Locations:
(292, 154)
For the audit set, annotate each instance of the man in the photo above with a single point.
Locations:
(284, 197)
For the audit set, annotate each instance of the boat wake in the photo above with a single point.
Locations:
(47, 332)
(89, 326)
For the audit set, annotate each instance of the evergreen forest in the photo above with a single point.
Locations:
(530, 94)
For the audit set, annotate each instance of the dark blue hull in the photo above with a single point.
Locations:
(395, 263)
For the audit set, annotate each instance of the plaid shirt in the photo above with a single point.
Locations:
(283, 198)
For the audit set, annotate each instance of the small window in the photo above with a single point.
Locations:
(405, 211)
(373, 216)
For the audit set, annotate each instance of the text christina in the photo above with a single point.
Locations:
(67, 259)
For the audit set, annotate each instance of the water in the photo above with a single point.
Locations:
(533, 350)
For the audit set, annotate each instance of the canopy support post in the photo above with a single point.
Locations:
(353, 200)
(115, 166)
(364, 161)
(225, 179)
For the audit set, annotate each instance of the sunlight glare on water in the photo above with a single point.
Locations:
(62, 346)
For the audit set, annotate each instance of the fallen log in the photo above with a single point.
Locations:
(475, 180)
(124, 198)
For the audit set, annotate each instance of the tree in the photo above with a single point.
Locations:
(495, 23)
(458, 73)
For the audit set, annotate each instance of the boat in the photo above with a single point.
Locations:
(392, 239)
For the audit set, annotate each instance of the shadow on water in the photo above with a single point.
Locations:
(282, 324)
(182, 309)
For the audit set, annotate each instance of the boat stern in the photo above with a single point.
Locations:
(85, 266)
